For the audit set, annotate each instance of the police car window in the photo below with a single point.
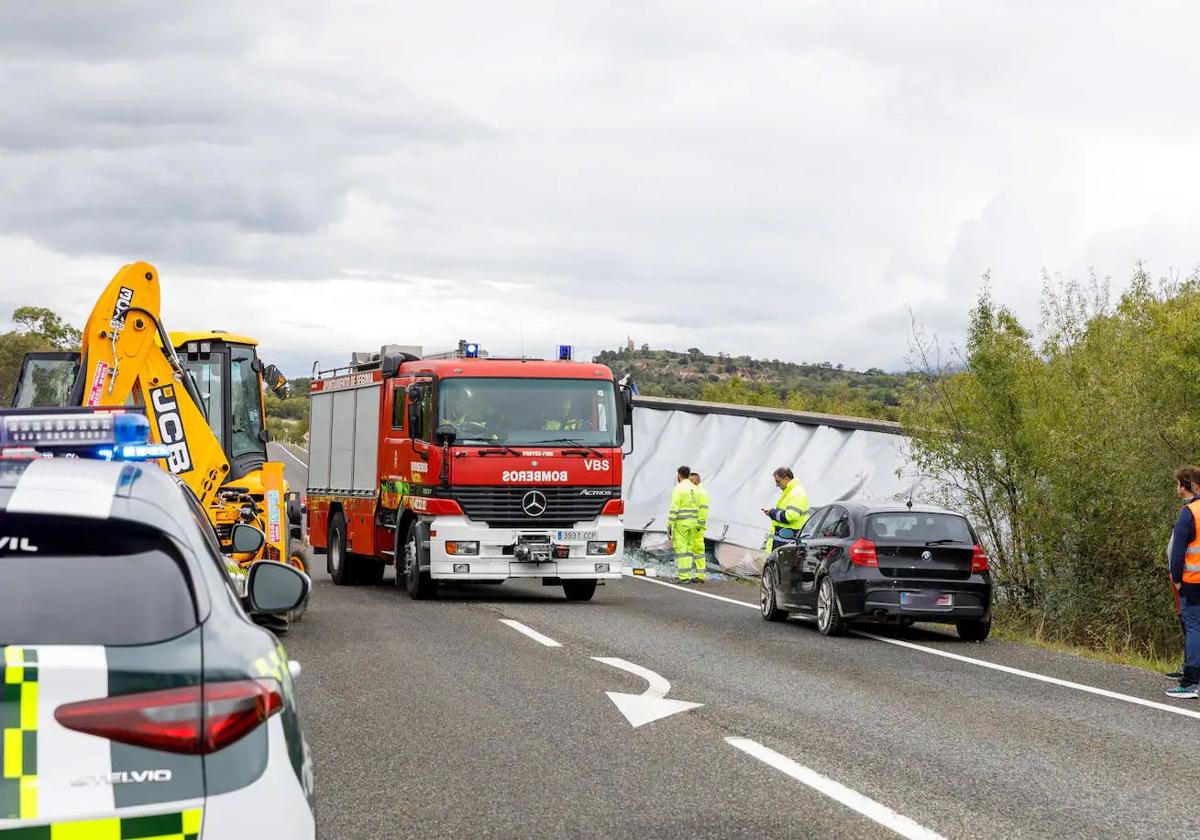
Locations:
(207, 533)
(69, 581)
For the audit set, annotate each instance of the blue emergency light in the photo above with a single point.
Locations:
(471, 351)
(564, 352)
(108, 434)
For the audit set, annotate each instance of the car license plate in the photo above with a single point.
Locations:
(923, 599)
(576, 536)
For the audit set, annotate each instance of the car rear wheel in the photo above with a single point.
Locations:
(973, 631)
(766, 598)
(419, 584)
(579, 590)
(829, 615)
(340, 567)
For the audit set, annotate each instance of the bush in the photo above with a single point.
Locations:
(1062, 452)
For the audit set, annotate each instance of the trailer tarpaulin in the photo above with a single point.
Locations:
(735, 449)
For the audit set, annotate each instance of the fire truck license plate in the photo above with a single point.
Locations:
(576, 536)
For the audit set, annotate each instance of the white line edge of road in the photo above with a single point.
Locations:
(288, 452)
(530, 632)
(983, 663)
(1112, 695)
(852, 799)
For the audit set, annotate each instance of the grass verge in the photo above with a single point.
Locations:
(1011, 631)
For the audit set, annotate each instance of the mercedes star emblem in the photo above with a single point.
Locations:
(534, 503)
(926, 555)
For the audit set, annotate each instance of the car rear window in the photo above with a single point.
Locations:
(68, 581)
(906, 526)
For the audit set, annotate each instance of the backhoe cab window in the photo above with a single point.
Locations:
(245, 404)
(209, 376)
(530, 412)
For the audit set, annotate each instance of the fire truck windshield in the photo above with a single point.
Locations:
(530, 412)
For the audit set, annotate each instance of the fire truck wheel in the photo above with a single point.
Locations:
(341, 569)
(419, 585)
(579, 590)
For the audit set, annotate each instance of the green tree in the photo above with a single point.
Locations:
(37, 330)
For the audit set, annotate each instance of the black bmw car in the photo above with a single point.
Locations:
(854, 561)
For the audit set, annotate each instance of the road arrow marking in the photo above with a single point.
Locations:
(650, 705)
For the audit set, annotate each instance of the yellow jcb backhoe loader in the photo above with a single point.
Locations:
(203, 395)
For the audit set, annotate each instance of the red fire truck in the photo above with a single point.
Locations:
(467, 469)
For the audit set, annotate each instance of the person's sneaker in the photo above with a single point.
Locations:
(1183, 692)
(1174, 675)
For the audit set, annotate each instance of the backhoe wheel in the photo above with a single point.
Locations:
(829, 615)
(419, 584)
(341, 569)
(579, 590)
(296, 561)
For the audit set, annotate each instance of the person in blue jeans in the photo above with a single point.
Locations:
(1185, 573)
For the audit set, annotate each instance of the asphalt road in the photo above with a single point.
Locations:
(436, 719)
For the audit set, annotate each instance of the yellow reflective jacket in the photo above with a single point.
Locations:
(791, 511)
(701, 505)
(684, 510)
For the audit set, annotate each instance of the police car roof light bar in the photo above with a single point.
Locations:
(81, 431)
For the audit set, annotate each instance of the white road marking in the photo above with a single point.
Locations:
(1112, 695)
(288, 453)
(530, 632)
(852, 799)
(692, 591)
(650, 705)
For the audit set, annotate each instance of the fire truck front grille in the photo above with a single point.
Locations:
(512, 507)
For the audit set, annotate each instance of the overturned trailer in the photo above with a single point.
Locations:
(735, 448)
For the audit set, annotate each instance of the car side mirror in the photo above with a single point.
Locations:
(445, 434)
(247, 539)
(275, 588)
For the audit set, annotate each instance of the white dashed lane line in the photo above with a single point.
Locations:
(530, 632)
(836, 791)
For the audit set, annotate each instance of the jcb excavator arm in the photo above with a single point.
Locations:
(126, 357)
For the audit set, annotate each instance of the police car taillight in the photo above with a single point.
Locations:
(195, 720)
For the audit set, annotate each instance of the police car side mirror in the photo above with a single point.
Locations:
(445, 434)
(275, 588)
(246, 539)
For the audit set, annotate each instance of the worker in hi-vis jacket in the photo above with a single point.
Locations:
(683, 520)
(698, 557)
(790, 512)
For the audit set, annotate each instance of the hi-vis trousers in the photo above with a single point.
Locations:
(688, 542)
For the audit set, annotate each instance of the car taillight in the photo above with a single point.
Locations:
(979, 560)
(614, 507)
(862, 553)
(195, 720)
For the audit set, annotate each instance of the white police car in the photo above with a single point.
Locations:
(138, 698)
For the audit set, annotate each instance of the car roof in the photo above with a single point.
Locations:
(95, 489)
(866, 507)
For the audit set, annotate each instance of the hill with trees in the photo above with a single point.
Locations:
(822, 387)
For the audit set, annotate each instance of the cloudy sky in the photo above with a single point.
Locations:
(774, 178)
